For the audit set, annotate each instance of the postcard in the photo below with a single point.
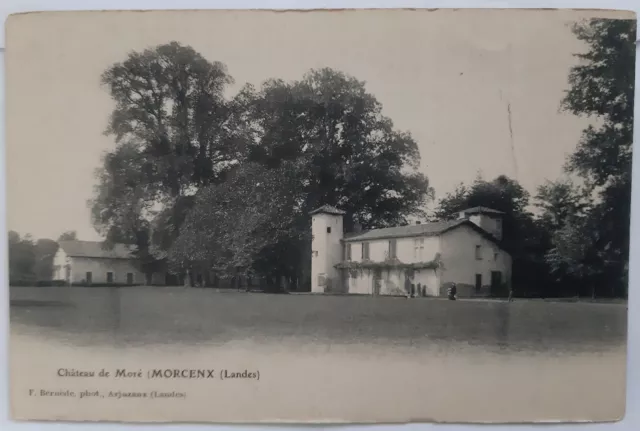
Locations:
(328, 216)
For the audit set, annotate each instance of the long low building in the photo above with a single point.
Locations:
(90, 262)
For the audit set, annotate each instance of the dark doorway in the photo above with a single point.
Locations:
(129, 277)
(478, 282)
(496, 281)
(377, 281)
(109, 277)
(89, 277)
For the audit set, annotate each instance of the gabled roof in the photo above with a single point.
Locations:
(96, 249)
(427, 229)
(481, 210)
(327, 209)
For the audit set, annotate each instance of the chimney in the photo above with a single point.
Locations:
(357, 227)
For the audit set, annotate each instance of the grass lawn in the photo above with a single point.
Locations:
(142, 315)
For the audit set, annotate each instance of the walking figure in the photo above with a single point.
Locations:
(453, 290)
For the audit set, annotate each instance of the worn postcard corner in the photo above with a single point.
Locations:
(375, 215)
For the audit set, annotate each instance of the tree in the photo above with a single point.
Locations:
(351, 155)
(175, 133)
(45, 251)
(575, 255)
(347, 153)
(560, 201)
(565, 218)
(21, 259)
(70, 235)
(602, 86)
(231, 223)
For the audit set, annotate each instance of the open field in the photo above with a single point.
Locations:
(145, 316)
(392, 358)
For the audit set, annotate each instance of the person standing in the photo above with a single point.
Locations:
(453, 290)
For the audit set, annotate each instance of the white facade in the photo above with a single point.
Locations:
(78, 270)
(469, 257)
(422, 264)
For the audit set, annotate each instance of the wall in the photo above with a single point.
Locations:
(491, 224)
(392, 282)
(326, 252)
(460, 266)
(99, 268)
(60, 260)
(405, 249)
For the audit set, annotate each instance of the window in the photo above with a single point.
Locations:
(89, 277)
(365, 251)
(348, 251)
(129, 277)
(329, 229)
(418, 248)
(109, 277)
(392, 249)
(495, 256)
(478, 252)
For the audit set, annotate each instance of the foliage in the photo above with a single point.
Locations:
(351, 156)
(175, 132)
(347, 154)
(232, 222)
(44, 253)
(390, 264)
(69, 235)
(560, 201)
(22, 258)
(602, 86)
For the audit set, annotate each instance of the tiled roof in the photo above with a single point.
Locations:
(96, 249)
(427, 229)
(481, 210)
(327, 209)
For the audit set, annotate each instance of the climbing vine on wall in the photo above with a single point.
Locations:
(356, 268)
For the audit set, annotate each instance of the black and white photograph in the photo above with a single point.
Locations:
(340, 216)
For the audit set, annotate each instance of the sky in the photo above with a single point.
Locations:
(448, 77)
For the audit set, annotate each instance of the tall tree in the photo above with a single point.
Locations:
(602, 87)
(231, 223)
(569, 245)
(348, 154)
(175, 132)
(560, 201)
(352, 156)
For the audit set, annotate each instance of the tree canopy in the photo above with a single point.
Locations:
(181, 145)
(602, 87)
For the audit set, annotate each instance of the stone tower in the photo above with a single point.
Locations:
(326, 248)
